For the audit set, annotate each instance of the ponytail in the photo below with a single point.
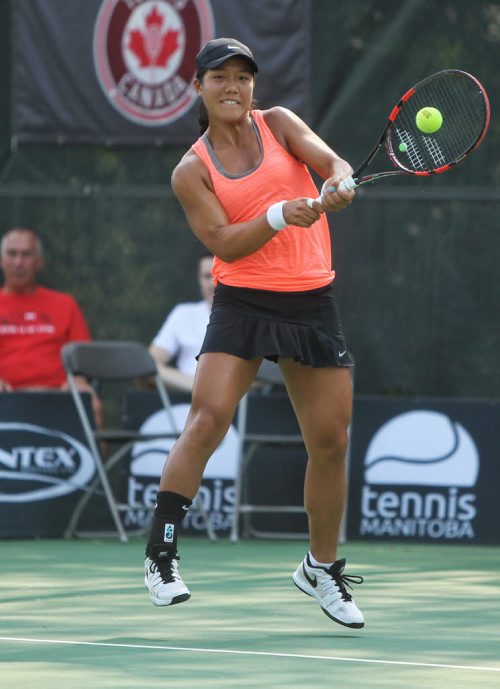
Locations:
(202, 116)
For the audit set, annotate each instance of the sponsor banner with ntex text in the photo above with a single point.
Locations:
(424, 470)
(44, 463)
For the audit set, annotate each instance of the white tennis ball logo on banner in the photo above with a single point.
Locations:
(422, 448)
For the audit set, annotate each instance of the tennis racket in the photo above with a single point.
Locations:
(462, 119)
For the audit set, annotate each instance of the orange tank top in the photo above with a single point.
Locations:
(296, 259)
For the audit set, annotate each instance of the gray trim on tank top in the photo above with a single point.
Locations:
(216, 162)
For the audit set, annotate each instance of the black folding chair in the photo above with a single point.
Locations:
(284, 432)
(103, 362)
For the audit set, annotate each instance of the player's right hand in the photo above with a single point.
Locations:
(298, 212)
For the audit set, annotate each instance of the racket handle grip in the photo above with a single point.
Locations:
(346, 185)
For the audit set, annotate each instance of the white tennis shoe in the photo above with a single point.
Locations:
(328, 587)
(164, 582)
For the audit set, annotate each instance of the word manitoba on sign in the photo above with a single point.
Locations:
(424, 470)
(122, 71)
(434, 462)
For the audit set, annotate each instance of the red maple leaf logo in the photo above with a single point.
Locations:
(154, 18)
(152, 47)
(170, 43)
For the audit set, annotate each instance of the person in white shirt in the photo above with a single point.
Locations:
(180, 337)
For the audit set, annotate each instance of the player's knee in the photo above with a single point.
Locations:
(210, 420)
(332, 445)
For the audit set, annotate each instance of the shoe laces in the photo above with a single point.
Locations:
(340, 581)
(165, 568)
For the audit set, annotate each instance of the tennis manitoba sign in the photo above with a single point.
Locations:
(422, 471)
(434, 462)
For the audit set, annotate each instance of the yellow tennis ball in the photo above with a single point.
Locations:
(429, 120)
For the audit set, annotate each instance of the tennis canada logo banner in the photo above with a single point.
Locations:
(38, 463)
(420, 472)
(144, 56)
(118, 72)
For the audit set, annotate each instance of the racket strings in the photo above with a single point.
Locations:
(411, 148)
(460, 104)
(464, 109)
(434, 151)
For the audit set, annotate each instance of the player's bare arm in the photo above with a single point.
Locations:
(301, 142)
(192, 186)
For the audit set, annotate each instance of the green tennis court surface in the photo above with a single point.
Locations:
(76, 615)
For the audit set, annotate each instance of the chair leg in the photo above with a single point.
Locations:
(241, 428)
(80, 506)
(101, 471)
(234, 535)
(111, 503)
(198, 504)
(241, 490)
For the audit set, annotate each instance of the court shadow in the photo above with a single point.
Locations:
(179, 642)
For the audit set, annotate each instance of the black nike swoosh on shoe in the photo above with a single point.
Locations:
(313, 582)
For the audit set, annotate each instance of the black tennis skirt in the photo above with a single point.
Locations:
(304, 326)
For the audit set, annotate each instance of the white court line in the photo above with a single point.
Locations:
(250, 653)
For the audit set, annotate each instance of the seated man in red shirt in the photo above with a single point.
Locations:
(35, 322)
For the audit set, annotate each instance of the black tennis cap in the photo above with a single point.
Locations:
(215, 52)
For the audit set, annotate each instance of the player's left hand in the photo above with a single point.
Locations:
(333, 198)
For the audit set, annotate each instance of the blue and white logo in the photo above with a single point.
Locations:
(420, 469)
(41, 463)
(422, 448)
(168, 535)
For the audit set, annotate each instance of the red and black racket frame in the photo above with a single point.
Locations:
(385, 139)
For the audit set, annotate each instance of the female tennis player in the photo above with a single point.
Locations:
(246, 191)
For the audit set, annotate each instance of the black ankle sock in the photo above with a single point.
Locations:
(170, 510)
(172, 505)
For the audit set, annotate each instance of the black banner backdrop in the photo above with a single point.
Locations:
(44, 464)
(121, 71)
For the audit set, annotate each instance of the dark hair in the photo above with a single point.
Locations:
(202, 116)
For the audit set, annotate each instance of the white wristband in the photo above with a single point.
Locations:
(275, 216)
